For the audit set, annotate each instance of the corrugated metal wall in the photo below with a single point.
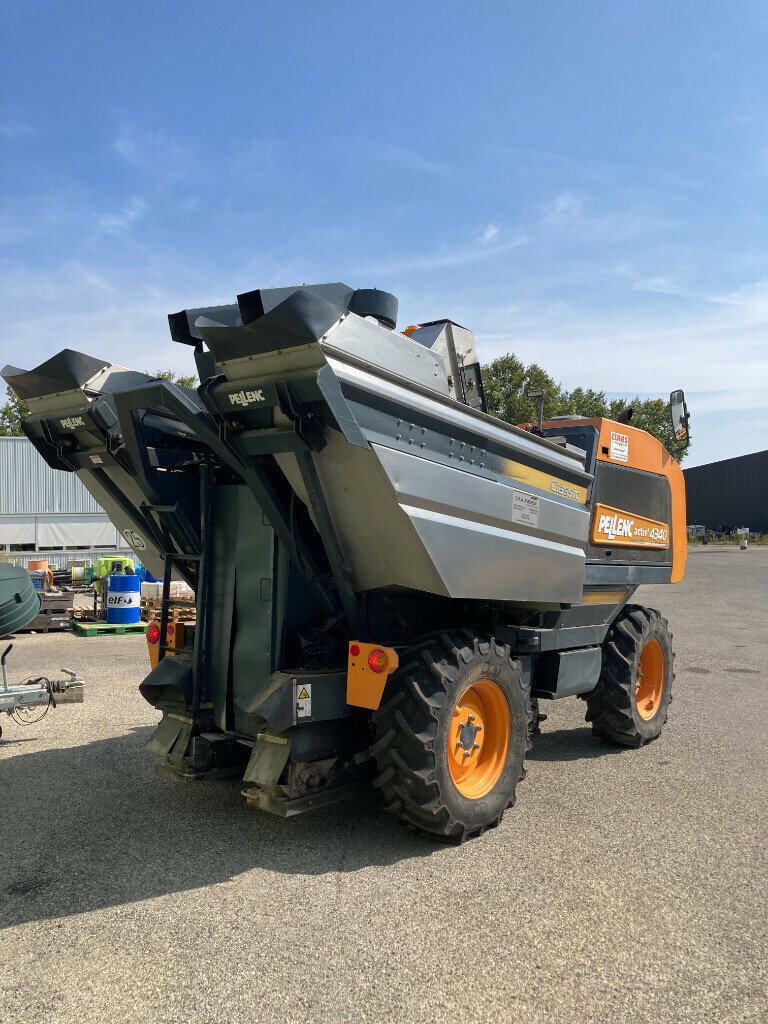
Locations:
(61, 559)
(29, 486)
(732, 492)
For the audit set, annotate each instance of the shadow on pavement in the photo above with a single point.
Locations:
(92, 826)
(569, 745)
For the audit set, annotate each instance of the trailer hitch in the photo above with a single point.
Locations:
(39, 693)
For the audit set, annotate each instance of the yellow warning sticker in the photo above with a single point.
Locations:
(303, 699)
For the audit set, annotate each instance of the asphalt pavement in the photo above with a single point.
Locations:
(626, 885)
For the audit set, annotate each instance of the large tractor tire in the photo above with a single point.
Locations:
(451, 736)
(631, 701)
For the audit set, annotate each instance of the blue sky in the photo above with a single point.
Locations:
(584, 184)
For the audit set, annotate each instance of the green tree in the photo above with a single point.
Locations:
(584, 402)
(507, 382)
(11, 415)
(651, 414)
(186, 380)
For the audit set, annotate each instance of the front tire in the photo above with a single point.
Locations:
(631, 702)
(451, 736)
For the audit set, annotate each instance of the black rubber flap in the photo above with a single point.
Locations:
(253, 305)
(302, 318)
(182, 324)
(63, 372)
(169, 684)
(19, 601)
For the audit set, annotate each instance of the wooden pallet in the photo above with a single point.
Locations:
(47, 621)
(84, 615)
(107, 628)
(179, 610)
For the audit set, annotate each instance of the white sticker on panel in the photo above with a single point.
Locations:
(525, 508)
(619, 450)
(304, 700)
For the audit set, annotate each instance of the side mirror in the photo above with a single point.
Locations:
(679, 412)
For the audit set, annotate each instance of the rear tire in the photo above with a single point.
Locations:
(451, 736)
(630, 704)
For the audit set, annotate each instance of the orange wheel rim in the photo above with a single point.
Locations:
(478, 738)
(650, 679)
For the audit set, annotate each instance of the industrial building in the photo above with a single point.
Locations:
(44, 510)
(733, 493)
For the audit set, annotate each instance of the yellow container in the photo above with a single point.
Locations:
(108, 564)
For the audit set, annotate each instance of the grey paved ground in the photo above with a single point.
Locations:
(624, 886)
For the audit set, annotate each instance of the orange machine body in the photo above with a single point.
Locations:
(627, 447)
(368, 668)
(175, 640)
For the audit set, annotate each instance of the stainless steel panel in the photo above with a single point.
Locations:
(487, 563)
(433, 485)
(451, 412)
(375, 535)
(389, 350)
(405, 521)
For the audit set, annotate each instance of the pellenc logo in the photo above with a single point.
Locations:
(615, 526)
(246, 397)
(72, 421)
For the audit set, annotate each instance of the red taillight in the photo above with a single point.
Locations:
(153, 633)
(354, 650)
(377, 660)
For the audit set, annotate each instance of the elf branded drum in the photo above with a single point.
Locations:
(123, 599)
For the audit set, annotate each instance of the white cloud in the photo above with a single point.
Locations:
(123, 319)
(640, 352)
(567, 208)
(733, 401)
(121, 221)
(164, 158)
(659, 284)
(752, 298)
(490, 232)
(409, 159)
(447, 258)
